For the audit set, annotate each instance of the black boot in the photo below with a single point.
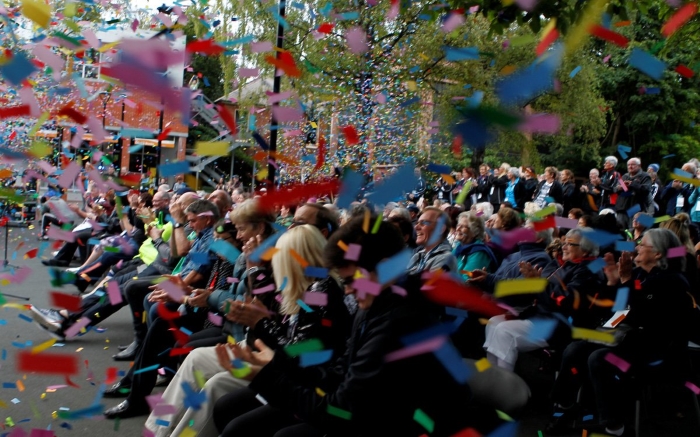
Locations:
(128, 354)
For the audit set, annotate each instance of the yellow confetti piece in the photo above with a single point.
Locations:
(43, 396)
(519, 286)
(508, 69)
(15, 306)
(449, 179)
(54, 415)
(20, 385)
(314, 125)
(579, 33)
(4, 282)
(231, 340)
(320, 392)
(663, 218)
(188, 432)
(72, 25)
(211, 148)
(70, 9)
(37, 11)
(377, 224)
(79, 349)
(342, 245)
(688, 180)
(482, 364)
(551, 209)
(593, 335)
(2, 404)
(143, 317)
(43, 346)
(411, 85)
(262, 174)
(548, 28)
(199, 378)
(42, 119)
(108, 46)
(365, 223)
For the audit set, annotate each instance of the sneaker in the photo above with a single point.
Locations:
(51, 320)
(73, 269)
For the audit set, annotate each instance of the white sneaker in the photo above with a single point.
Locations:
(73, 269)
(48, 319)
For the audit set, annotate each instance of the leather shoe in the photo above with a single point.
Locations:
(118, 390)
(125, 410)
(128, 354)
(55, 262)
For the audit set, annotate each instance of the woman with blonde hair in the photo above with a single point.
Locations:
(311, 306)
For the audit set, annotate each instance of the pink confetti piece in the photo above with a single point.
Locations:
(154, 400)
(453, 21)
(205, 214)
(69, 174)
(541, 123)
(606, 59)
(353, 252)
(567, 223)
(617, 362)
(115, 296)
(231, 280)
(215, 319)
(248, 72)
(98, 132)
(317, 299)
(423, 347)
(286, 114)
(26, 94)
(273, 98)
(147, 432)
(259, 47)
(75, 328)
(77, 137)
(59, 234)
(623, 185)
(173, 290)
(398, 290)
(164, 409)
(56, 387)
(356, 39)
(364, 285)
(266, 289)
(676, 252)
(48, 168)
(91, 39)
(692, 387)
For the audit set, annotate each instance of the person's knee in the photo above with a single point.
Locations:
(596, 360)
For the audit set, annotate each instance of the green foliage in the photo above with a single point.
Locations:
(209, 67)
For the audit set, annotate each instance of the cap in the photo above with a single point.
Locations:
(413, 208)
(654, 167)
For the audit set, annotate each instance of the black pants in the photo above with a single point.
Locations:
(207, 337)
(158, 340)
(241, 414)
(46, 220)
(67, 251)
(135, 292)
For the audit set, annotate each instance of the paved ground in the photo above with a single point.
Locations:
(23, 404)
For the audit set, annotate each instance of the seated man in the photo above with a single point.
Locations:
(434, 251)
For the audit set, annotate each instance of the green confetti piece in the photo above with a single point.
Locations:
(2, 299)
(377, 224)
(539, 433)
(463, 194)
(311, 345)
(106, 161)
(111, 249)
(338, 412)
(65, 37)
(241, 373)
(663, 218)
(551, 209)
(504, 416)
(423, 419)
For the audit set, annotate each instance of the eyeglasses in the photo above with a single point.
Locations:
(570, 244)
(347, 281)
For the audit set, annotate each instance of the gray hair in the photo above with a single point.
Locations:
(586, 244)
(202, 206)
(636, 161)
(165, 195)
(514, 171)
(594, 170)
(546, 235)
(475, 224)
(560, 209)
(485, 207)
(401, 212)
(692, 168)
(661, 240)
(611, 159)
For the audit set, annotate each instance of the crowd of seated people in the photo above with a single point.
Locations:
(312, 319)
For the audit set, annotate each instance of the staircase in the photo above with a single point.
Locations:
(204, 108)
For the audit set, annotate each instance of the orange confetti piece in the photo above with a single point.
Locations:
(508, 69)
(622, 23)
(342, 245)
(284, 62)
(269, 253)
(20, 385)
(304, 264)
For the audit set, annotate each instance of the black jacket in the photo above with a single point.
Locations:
(498, 190)
(638, 189)
(555, 192)
(380, 397)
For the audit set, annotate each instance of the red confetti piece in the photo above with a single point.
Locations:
(457, 146)
(180, 337)
(111, 375)
(207, 47)
(548, 222)
(326, 28)
(227, 118)
(294, 193)
(56, 364)
(64, 300)
(685, 71)
(164, 135)
(15, 111)
(321, 156)
(445, 291)
(608, 35)
(678, 19)
(180, 351)
(547, 41)
(350, 135)
(285, 63)
(69, 111)
(166, 314)
(468, 432)
(71, 383)
(32, 253)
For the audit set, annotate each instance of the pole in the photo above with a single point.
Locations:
(160, 138)
(275, 89)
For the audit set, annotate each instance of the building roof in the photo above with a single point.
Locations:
(252, 90)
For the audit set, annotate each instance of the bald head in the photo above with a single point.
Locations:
(222, 200)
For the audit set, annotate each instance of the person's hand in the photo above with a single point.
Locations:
(134, 201)
(159, 295)
(177, 213)
(478, 275)
(155, 233)
(199, 297)
(248, 314)
(73, 207)
(584, 188)
(146, 214)
(625, 266)
(247, 354)
(529, 271)
(611, 269)
(223, 357)
(249, 247)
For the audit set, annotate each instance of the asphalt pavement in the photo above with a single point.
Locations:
(32, 400)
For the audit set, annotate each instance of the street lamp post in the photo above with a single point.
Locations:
(275, 89)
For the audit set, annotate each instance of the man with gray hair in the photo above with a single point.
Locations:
(632, 193)
(608, 181)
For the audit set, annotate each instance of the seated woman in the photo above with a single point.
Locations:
(569, 292)
(329, 321)
(472, 253)
(363, 393)
(655, 330)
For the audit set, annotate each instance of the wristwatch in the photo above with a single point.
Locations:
(178, 225)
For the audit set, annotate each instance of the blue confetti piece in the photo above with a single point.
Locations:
(136, 133)
(307, 359)
(574, 72)
(632, 211)
(24, 317)
(531, 81)
(394, 186)
(185, 330)
(347, 16)
(3, 355)
(14, 255)
(587, 418)
(136, 148)
(3, 322)
(453, 54)
(653, 90)
(425, 17)
(622, 150)
(601, 238)
(656, 363)
(284, 283)
(606, 20)
(147, 369)
(162, 422)
(475, 133)
(244, 40)
(457, 312)
(475, 100)
(199, 257)
(261, 141)
(621, 299)
(646, 221)
(558, 414)
(596, 265)
(438, 231)
(9, 385)
(174, 168)
(625, 246)
(18, 345)
(316, 272)
(225, 249)
(309, 158)
(452, 361)
(439, 169)
(351, 185)
(409, 102)
(264, 246)
(542, 329)
(508, 429)
(304, 306)
(18, 69)
(647, 64)
(391, 268)
(298, 5)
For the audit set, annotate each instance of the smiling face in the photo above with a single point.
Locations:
(464, 234)
(426, 226)
(646, 257)
(571, 248)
